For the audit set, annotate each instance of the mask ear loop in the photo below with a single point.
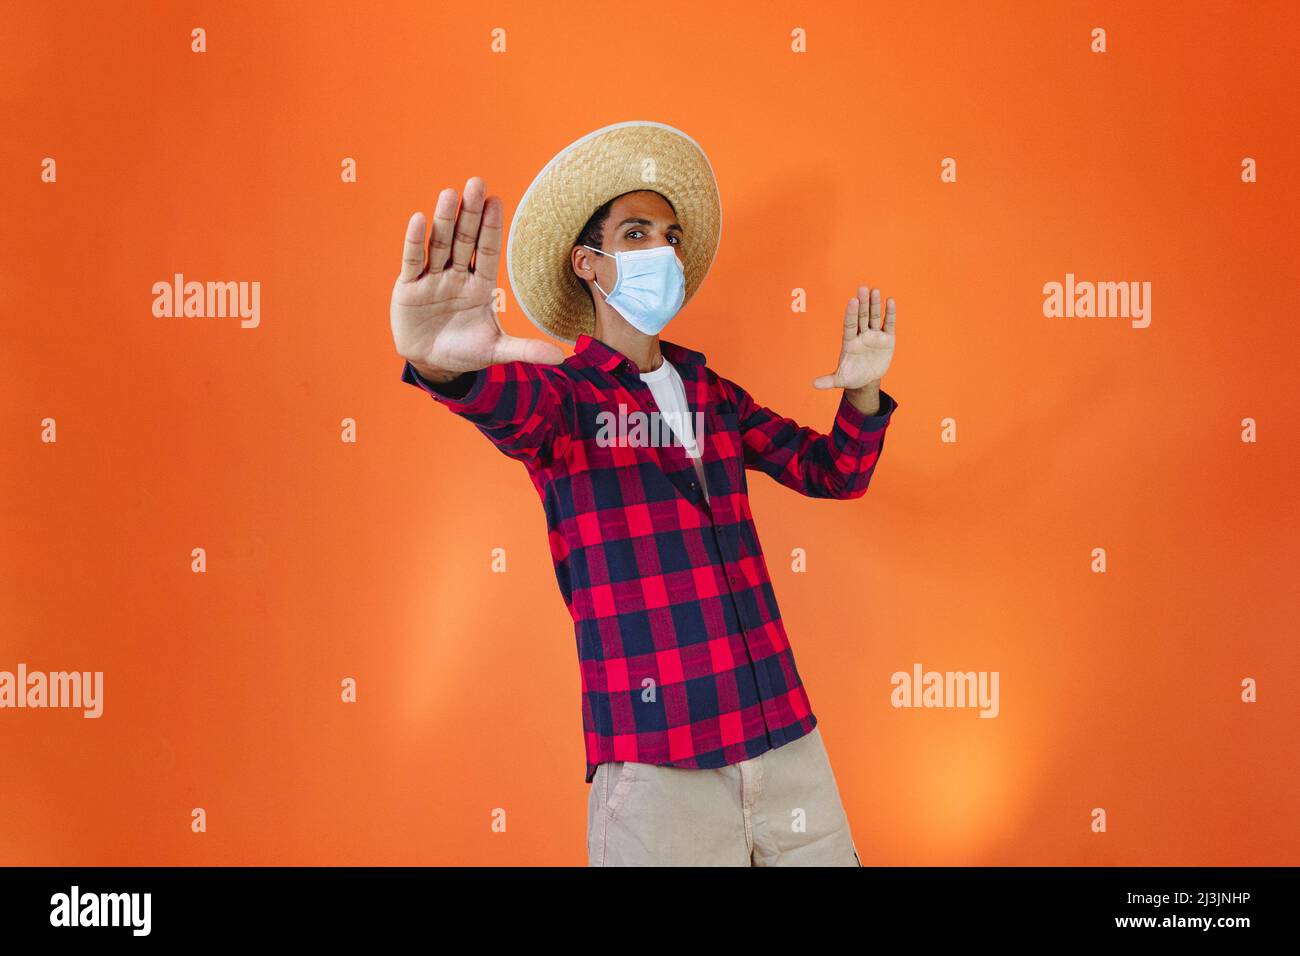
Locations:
(597, 281)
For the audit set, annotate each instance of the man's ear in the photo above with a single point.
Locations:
(581, 260)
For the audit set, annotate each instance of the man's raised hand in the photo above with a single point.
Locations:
(868, 343)
(441, 311)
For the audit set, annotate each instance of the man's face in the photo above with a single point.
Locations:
(639, 220)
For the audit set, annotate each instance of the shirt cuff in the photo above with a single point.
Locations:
(459, 394)
(857, 423)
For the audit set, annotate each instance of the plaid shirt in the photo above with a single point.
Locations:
(683, 656)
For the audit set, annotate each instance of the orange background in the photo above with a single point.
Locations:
(372, 560)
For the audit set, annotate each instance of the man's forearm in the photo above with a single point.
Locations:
(865, 399)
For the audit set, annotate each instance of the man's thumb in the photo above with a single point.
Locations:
(513, 349)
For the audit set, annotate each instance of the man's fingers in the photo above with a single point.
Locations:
(824, 381)
(471, 211)
(890, 315)
(864, 303)
(488, 252)
(509, 348)
(850, 319)
(444, 221)
(875, 308)
(413, 250)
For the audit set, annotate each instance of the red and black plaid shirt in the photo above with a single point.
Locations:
(684, 658)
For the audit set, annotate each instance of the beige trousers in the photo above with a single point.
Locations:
(781, 808)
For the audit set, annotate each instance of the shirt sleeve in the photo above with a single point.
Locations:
(519, 406)
(837, 465)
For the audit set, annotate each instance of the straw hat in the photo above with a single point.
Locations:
(616, 159)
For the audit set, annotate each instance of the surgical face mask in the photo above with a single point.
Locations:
(650, 287)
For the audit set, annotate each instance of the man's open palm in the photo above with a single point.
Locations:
(441, 310)
(868, 343)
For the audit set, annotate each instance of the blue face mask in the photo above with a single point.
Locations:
(650, 287)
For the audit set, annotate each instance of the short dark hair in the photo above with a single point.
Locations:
(593, 233)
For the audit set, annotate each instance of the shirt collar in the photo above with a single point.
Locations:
(594, 352)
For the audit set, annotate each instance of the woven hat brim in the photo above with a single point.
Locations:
(616, 159)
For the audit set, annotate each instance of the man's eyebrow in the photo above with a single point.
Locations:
(645, 222)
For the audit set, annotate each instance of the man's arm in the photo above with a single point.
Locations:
(519, 406)
(838, 465)
(834, 465)
(452, 342)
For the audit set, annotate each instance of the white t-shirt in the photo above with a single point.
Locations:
(670, 395)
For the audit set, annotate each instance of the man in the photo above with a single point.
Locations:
(702, 748)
